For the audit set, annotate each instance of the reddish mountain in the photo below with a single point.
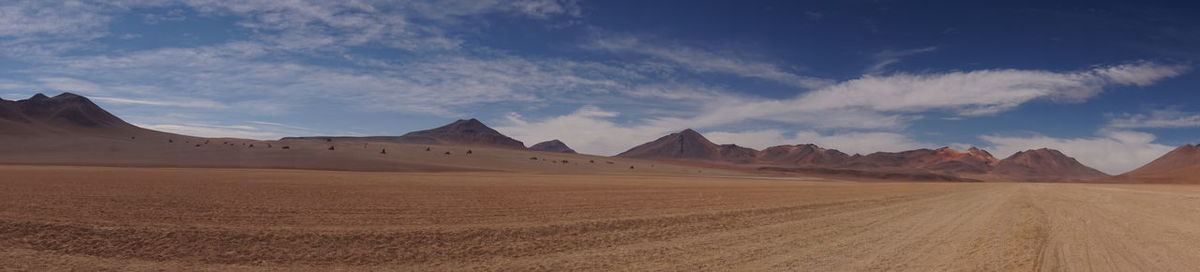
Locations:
(63, 113)
(552, 146)
(802, 155)
(1181, 165)
(737, 154)
(1045, 165)
(469, 132)
(945, 160)
(684, 145)
(690, 145)
(946, 163)
(462, 132)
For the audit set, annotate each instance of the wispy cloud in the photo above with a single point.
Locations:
(705, 61)
(1165, 118)
(210, 130)
(190, 103)
(889, 57)
(282, 125)
(891, 101)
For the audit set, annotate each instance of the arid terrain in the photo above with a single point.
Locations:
(98, 218)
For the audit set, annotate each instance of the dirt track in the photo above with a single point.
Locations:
(53, 218)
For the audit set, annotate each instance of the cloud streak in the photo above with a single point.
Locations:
(1168, 118)
(705, 61)
(890, 57)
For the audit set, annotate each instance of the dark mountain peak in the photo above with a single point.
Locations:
(462, 132)
(63, 98)
(68, 96)
(468, 126)
(37, 97)
(803, 155)
(469, 123)
(552, 146)
(687, 144)
(62, 111)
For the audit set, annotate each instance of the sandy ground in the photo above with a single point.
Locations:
(131, 219)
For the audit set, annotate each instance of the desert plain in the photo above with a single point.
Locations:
(151, 219)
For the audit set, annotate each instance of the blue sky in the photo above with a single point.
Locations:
(1111, 83)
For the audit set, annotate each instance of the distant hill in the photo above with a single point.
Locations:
(64, 113)
(1181, 165)
(943, 163)
(803, 155)
(945, 160)
(1045, 165)
(684, 145)
(552, 146)
(470, 132)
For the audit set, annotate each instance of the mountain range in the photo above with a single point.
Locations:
(1032, 165)
(41, 119)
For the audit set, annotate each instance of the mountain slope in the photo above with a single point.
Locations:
(802, 155)
(552, 146)
(462, 132)
(1181, 165)
(945, 160)
(684, 145)
(64, 113)
(470, 132)
(1045, 165)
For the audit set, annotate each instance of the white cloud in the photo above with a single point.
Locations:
(238, 73)
(891, 101)
(1112, 151)
(282, 125)
(587, 130)
(976, 92)
(889, 57)
(706, 61)
(58, 19)
(1140, 74)
(70, 84)
(216, 131)
(185, 103)
(1167, 118)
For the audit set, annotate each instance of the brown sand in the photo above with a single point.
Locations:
(94, 218)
